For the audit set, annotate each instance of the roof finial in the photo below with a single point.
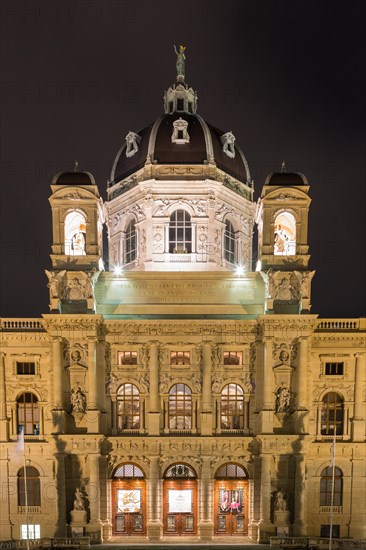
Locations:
(181, 73)
(283, 167)
(76, 166)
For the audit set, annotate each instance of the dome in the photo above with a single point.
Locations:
(73, 178)
(285, 179)
(180, 138)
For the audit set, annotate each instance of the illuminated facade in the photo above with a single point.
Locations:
(181, 393)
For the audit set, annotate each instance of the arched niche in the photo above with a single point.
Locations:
(285, 234)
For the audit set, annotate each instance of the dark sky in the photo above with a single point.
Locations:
(286, 77)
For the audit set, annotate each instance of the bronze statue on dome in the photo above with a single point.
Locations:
(180, 60)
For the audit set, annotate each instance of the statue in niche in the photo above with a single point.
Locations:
(78, 243)
(280, 503)
(283, 397)
(79, 500)
(89, 286)
(180, 60)
(78, 400)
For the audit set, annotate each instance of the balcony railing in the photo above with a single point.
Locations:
(338, 324)
(21, 324)
(328, 509)
(31, 509)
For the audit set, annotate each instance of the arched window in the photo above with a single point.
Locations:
(33, 487)
(180, 407)
(332, 414)
(75, 234)
(326, 483)
(131, 242)
(180, 232)
(128, 407)
(28, 414)
(285, 234)
(232, 407)
(229, 243)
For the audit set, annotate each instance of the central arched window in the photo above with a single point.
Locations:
(180, 407)
(285, 234)
(229, 243)
(128, 407)
(326, 483)
(332, 414)
(131, 242)
(180, 232)
(33, 487)
(75, 234)
(232, 407)
(28, 414)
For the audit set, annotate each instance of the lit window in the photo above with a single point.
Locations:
(28, 414)
(131, 242)
(233, 358)
(180, 407)
(128, 407)
(229, 243)
(285, 235)
(127, 358)
(332, 414)
(33, 487)
(75, 234)
(26, 368)
(232, 407)
(179, 357)
(326, 483)
(30, 532)
(180, 232)
(334, 369)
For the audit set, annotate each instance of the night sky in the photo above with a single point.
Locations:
(286, 77)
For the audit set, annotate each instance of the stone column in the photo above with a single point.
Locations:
(302, 374)
(93, 414)
(206, 414)
(300, 498)
(4, 423)
(154, 412)
(60, 529)
(94, 526)
(359, 407)
(154, 524)
(58, 412)
(266, 415)
(302, 387)
(266, 528)
(205, 522)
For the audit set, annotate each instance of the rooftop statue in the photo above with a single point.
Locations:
(180, 60)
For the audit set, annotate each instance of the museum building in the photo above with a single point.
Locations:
(182, 392)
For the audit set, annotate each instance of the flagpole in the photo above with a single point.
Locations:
(26, 498)
(21, 447)
(333, 454)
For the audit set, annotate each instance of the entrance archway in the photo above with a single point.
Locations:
(231, 500)
(129, 500)
(180, 500)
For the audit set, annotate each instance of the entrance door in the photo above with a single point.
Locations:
(231, 505)
(180, 507)
(129, 507)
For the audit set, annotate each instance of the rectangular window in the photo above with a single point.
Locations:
(335, 369)
(180, 105)
(127, 357)
(30, 532)
(233, 358)
(179, 357)
(325, 531)
(26, 367)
